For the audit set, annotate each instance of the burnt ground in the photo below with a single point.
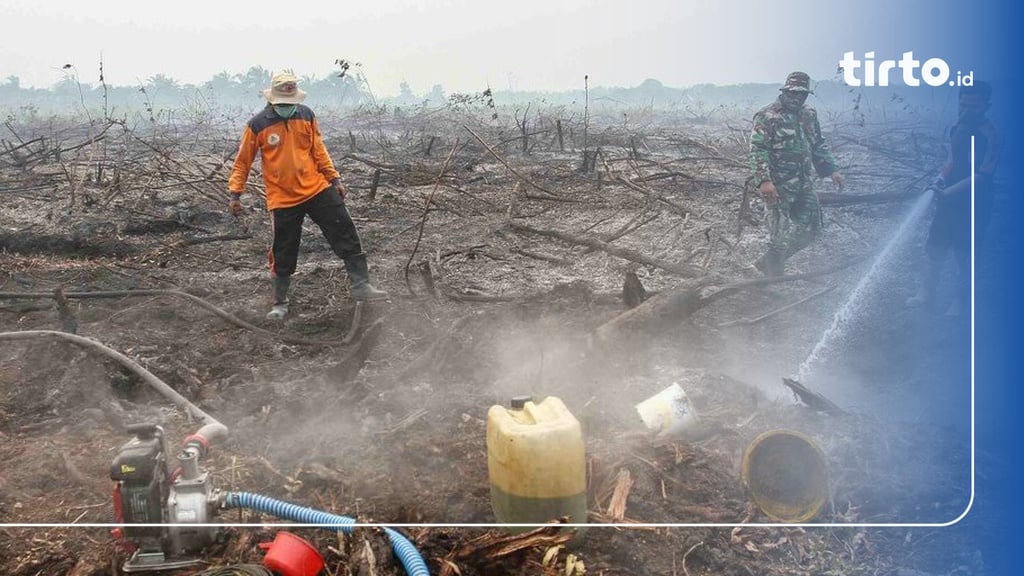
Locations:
(396, 435)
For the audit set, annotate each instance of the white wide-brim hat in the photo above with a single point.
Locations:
(284, 90)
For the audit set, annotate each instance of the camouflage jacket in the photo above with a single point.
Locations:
(786, 146)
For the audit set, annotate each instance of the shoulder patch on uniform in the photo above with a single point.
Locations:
(304, 112)
(263, 120)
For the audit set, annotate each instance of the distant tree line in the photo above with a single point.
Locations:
(350, 89)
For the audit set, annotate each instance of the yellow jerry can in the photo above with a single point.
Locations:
(536, 463)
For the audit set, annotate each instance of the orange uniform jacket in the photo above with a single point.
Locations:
(296, 165)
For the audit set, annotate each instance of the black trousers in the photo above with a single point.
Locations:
(950, 231)
(327, 209)
(951, 226)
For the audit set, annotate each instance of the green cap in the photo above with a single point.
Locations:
(798, 82)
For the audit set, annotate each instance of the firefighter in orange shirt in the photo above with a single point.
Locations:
(300, 180)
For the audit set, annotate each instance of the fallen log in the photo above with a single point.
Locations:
(684, 270)
(673, 306)
(660, 310)
(539, 256)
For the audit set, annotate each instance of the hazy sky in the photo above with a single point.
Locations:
(465, 45)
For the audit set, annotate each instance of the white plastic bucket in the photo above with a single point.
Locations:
(668, 412)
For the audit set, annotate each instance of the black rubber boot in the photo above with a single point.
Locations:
(280, 308)
(359, 279)
(771, 264)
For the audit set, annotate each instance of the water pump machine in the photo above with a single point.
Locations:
(163, 510)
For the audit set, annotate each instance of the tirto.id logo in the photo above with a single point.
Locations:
(934, 71)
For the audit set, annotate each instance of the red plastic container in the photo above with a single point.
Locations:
(290, 555)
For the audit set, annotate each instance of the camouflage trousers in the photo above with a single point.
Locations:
(794, 221)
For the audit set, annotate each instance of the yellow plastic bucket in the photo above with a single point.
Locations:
(785, 474)
(536, 463)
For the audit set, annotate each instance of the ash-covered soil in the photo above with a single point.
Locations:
(390, 428)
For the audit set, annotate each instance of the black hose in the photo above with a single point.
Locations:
(211, 425)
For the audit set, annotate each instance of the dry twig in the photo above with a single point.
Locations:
(552, 195)
(423, 218)
(624, 253)
(195, 299)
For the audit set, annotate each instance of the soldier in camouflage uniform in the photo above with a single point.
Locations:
(786, 148)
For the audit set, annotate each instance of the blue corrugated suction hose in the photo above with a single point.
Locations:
(407, 553)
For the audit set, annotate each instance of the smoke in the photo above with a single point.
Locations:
(539, 358)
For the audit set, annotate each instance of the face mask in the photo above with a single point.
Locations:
(972, 109)
(285, 110)
(793, 100)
